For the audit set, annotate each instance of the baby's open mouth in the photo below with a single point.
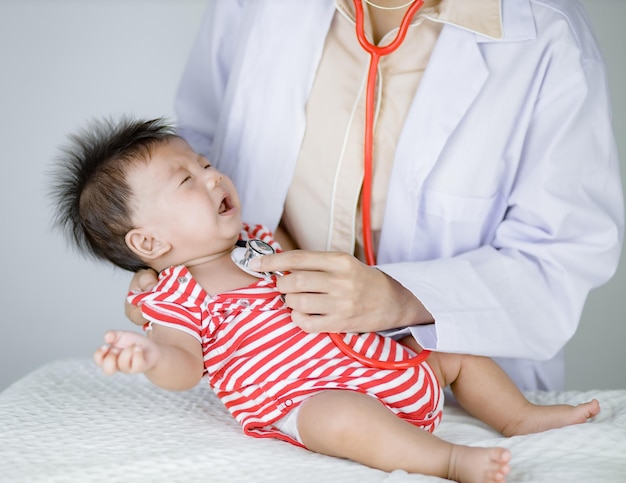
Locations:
(225, 205)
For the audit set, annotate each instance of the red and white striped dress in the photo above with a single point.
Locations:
(261, 365)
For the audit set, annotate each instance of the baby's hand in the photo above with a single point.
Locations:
(127, 352)
(142, 281)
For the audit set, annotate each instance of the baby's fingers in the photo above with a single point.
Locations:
(106, 357)
(131, 360)
(125, 352)
(99, 354)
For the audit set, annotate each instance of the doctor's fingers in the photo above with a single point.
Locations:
(331, 322)
(304, 260)
(312, 303)
(307, 282)
(325, 312)
(314, 322)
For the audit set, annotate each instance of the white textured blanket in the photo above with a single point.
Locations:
(68, 422)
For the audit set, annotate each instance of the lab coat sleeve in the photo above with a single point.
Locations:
(202, 89)
(521, 295)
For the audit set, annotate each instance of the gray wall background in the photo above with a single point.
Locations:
(65, 61)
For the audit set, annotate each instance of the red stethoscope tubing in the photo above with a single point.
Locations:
(377, 363)
(375, 53)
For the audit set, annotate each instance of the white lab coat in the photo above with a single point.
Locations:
(505, 205)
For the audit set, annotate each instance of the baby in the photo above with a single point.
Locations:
(136, 194)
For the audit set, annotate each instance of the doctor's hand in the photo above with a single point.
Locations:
(335, 292)
(142, 281)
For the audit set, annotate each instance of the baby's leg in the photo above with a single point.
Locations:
(352, 425)
(486, 392)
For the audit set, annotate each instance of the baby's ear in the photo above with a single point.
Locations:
(145, 245)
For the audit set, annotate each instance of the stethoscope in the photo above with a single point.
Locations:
(375, 53)
(245, 251)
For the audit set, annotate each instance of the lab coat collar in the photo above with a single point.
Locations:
(483, 17)
(490, 20)
(517, 22)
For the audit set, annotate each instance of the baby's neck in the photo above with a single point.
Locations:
(203, 260)
(217, 274)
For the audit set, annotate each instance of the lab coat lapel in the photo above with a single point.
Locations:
(446, 92)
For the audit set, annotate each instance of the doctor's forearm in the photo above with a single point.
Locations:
(489, 305)
(410, 310)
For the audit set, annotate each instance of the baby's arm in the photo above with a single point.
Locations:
(170, 358)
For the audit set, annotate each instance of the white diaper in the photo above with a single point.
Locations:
(288, 425)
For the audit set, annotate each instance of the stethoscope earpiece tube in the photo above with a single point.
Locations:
(375, 53)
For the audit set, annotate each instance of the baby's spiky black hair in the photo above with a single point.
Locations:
(90, 191)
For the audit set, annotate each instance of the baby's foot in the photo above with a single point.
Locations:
(541, 418)
(479, 465)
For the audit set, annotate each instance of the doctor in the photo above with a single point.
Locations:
(496, 203)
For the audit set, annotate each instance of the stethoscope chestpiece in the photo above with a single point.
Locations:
(254, 248)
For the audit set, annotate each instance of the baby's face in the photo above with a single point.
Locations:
(181, 199)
